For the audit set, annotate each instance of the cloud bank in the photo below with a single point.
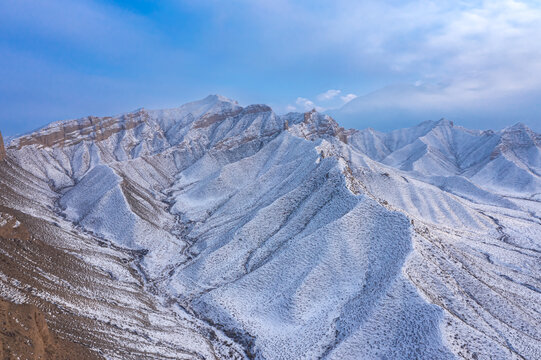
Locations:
(65, 59)
(329, 100)
(474, 55)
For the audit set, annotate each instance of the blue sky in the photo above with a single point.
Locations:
(63, 59)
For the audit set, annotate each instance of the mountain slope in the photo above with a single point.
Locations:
(505, 162)
(25, 334)
(255, 235)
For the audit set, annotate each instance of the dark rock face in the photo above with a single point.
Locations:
(90, 129)
(2, 148)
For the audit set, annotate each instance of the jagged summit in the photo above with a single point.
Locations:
(221, 98)
(518, 126)
(210, 103)
(519, 130)
(445, 122)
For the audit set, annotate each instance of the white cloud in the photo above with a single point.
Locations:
(290, 108)
(328, 95)
(328, 100)
(307, 105)
(491, 48)
(483, 48)
(348, 98)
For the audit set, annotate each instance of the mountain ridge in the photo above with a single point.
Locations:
(260, 235)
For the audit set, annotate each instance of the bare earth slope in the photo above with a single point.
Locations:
(219, 231)
(25, 335)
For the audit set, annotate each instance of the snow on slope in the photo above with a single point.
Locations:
(301, 239)
(507, 162)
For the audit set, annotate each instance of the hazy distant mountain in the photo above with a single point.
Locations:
(219, 231)
(405, 105)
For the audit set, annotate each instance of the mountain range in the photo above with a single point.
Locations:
(214, 230)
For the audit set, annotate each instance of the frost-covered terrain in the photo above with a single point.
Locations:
(253, 235)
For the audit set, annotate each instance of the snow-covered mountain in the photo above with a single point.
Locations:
(508, 161)
(219, 231)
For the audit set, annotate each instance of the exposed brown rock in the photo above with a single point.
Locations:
(24, 334)
(209, 119)
(314, 125)
(308, 115)
(2, 148)
(254, 109)
(90, 128)
(11, 227)
(24, 331)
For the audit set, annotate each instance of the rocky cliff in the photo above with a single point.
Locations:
(2, 148)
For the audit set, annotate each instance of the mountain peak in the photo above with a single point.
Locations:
(210, 104)
(445, 122)
(520, 135)
(517, 127)
(312, 125)
(215, 98)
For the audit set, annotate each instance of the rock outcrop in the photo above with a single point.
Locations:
(2, 148)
